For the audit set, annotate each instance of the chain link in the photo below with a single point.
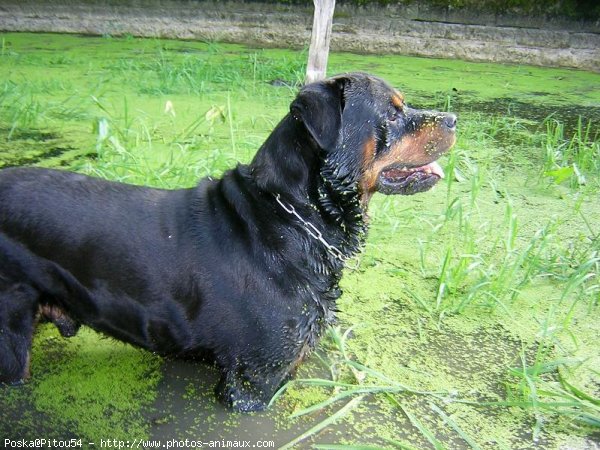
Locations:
(312, 230)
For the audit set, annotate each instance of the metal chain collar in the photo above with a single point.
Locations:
(312, 230)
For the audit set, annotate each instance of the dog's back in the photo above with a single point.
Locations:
(103, 252)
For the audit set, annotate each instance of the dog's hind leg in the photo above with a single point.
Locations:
(65, 324)
(18, 310)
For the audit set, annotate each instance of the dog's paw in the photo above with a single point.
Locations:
(247, 404)
(67, 328)
(13, 383)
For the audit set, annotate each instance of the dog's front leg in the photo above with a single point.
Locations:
(245, 392)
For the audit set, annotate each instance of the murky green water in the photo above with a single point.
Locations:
(511, 317)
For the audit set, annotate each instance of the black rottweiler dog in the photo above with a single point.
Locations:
(242, 270)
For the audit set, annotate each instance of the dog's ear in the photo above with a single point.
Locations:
(319, 107)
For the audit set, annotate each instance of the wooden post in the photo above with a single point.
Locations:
(318, 52)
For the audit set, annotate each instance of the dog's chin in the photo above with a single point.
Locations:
(402, 180)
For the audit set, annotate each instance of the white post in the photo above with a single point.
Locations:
(319, 40)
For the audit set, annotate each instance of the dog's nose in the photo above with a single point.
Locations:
(450, 121)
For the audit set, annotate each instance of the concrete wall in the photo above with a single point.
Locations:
(355, 30)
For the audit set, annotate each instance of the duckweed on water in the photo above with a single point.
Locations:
(480, 296)
(96, 388)
(86, 387)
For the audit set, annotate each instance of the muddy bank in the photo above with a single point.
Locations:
(382, 31)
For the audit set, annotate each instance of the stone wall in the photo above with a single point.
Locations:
(356, 30)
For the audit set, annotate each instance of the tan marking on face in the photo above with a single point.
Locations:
(413, 150)
(398, 100)
(369, 149)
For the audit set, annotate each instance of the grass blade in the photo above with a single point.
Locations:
(427, 434)
(321, 425)
(578, 392)
(451, 423)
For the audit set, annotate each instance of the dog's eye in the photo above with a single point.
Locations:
(393, 114)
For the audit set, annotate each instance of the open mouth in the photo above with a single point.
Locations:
(406, 180)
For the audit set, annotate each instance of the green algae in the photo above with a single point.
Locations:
(110, 382)
(479, 81)
(56, 92)
(87, 387)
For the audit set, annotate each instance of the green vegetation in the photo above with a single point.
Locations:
(471, 320)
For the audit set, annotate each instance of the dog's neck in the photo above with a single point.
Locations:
(290, 165)
(339, 203)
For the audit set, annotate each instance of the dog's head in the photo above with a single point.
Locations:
(370, 139)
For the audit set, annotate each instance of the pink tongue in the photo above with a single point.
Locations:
(433, 168)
